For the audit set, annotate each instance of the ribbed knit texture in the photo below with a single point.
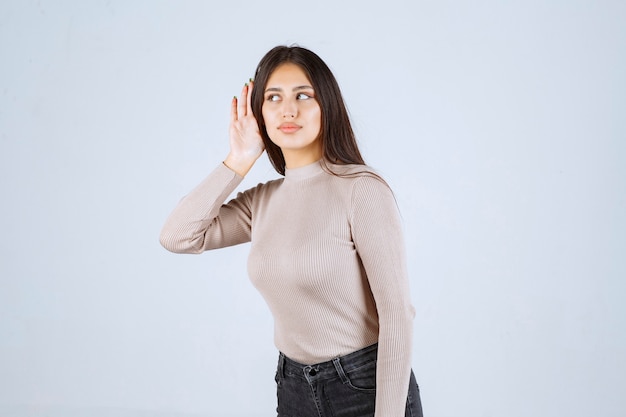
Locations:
(327, 254)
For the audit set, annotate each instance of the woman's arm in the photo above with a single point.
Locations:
(378, 237)
(201, 221)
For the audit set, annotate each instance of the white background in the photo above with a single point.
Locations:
(501, 126)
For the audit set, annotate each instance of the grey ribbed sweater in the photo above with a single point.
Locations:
(327, 254)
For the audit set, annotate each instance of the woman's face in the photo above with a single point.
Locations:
(292, 115)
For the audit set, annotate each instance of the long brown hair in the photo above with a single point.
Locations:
(339, 144)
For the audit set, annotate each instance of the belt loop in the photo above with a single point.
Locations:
(281, 365)
(340, 371)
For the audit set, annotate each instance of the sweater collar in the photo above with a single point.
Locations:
(304, 172)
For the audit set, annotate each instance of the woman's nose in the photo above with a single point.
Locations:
(290, 110)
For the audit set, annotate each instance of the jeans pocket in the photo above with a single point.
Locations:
(363, 378)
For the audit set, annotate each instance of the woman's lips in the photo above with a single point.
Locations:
(289, 127)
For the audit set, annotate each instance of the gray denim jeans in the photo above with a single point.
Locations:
(342, 387)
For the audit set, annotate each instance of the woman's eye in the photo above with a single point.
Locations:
(273, 97)
(304, 96)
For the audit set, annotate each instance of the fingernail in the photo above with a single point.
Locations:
(251, 80)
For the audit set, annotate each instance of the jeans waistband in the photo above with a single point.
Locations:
(329, 369)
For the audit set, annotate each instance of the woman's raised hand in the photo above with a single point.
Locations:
(246, 144)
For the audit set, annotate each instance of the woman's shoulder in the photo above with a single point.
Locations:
(351, 170)
(269, 185)
(357, 174)
(262, 190)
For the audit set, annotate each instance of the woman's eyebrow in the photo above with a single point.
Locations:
(300, 87)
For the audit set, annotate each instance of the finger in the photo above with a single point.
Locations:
(241, 108)
(249, 101)
(233, 110)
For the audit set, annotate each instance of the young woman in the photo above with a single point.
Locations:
(327, 251)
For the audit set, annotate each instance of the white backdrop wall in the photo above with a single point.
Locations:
(500, 126)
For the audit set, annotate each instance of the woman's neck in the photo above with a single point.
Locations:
(299, 158)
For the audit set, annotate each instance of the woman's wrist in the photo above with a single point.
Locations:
(241, 165)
